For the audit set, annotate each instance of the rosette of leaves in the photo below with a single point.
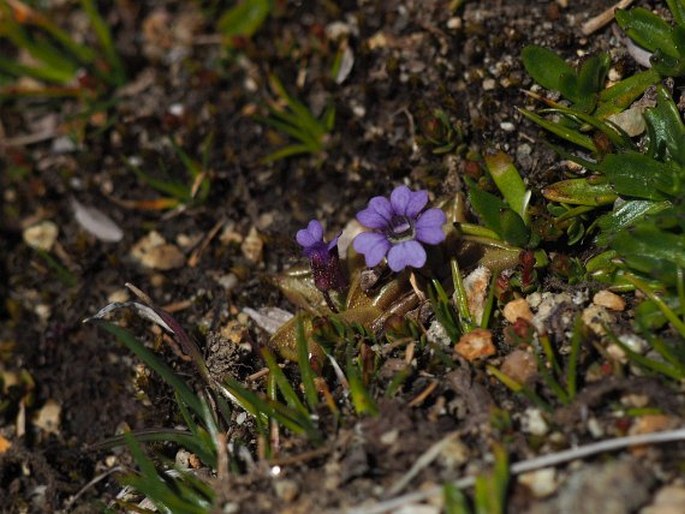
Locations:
(641, 187)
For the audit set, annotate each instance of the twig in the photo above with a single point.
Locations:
(517, 468)
(603, 18)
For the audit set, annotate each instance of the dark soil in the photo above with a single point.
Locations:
(410, 58)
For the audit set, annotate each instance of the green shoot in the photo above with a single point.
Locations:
(296, 121)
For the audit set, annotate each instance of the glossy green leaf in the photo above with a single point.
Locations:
(666, 128)
(619, 96)
(549, 70)
(647, 30)
(648, 242)
(570, 135)
(486, 205)
(625, 216)
(591, 78)
(509, 182)
(638, 175)
(514, 230)
(580, 191)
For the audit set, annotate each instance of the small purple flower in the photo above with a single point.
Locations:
(398, 229)
(323, 257)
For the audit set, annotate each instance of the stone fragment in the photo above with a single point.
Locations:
(41, 236)
(669, 499)
(516, 309)
(476, 286)
(520, 366)
(595, 317)
(153, 252)
(286, 489)
(542, 482)
(253, 246)
(477, 344)
(609, 300)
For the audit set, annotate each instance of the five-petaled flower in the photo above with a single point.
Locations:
(323, 257)
(399, 227)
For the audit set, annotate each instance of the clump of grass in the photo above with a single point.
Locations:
(295, 120)
(58, 57)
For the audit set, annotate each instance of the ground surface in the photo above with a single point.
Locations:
(68, 385)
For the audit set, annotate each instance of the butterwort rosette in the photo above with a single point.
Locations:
(323, 257)
(399, 228)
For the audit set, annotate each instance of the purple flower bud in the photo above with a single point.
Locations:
(323, 257)
(399, 229)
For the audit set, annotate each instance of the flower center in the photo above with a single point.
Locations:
(401, 228)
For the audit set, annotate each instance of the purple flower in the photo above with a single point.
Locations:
(323, 257)
(399, 228)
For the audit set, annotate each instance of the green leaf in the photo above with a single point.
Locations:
(244, 19)
(666, 128)
(647, 30)
(580, 191)
(677, 8)
(157, 365)
(570, 135)
(487, 206)
(634, 174)
(509, 182)
(645, 246)
(590, 81)
(514, 230)
(549, 70)
(625, 216)
(619, 96)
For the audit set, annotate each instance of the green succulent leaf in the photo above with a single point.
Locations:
(647, 30)
(666, 128)
(580, 191)
(619, 96)
(549, 70)
(640, 176)
(625, 216)
(487, 206)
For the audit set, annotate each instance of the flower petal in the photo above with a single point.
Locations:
(417, 201)
(408, 253)
(429, 226)
(377, 215)
(304, 238)
(373, 246)
(316, 230)
(399, 198)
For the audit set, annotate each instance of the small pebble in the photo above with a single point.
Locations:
(541, 483)
(520, 365)
(253, 246)
(609, 300)
(475, 345)
(669, 499)
(595, 318)
(41, 236)
(286, 489)
(533, 422)
(516, 309)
